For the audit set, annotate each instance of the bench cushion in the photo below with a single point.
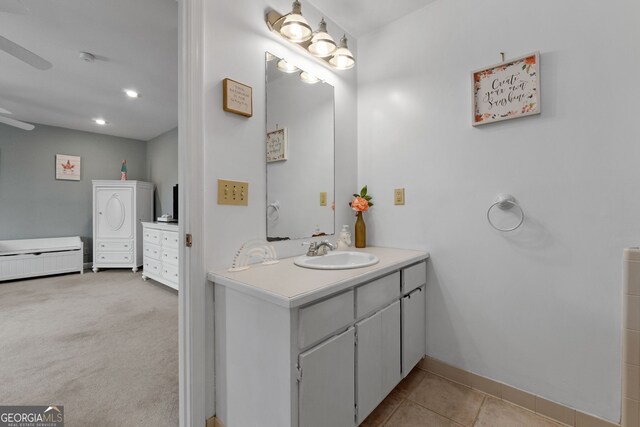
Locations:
(28, 246)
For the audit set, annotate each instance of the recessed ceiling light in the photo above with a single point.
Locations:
(132, 93)
(100, 122)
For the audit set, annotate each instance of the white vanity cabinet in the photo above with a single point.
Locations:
(160, 249)
(119, 207)
(307, 348)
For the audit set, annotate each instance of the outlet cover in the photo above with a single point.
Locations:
(233, 192)
(398, 196)
(323, 198)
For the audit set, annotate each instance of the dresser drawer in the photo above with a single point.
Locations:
(152, 266)
(170, 239)
(321, 319)
(414, 277)
(115, 246)
(152, 251)
(151, 236)
(114, 257)
(170, 256)
(375, 295)
(170, 272)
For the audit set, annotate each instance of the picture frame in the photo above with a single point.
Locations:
(237, 98)
(507, 90)
(67, 167)
(277, 145)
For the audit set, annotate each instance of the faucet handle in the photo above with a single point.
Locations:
(310, 244)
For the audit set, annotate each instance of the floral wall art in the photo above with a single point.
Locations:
(507, 90)
(67, 167)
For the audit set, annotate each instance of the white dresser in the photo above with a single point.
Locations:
(119, 207)
(160, 247)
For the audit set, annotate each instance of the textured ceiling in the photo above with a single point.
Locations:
(136, 46)
(358, 17)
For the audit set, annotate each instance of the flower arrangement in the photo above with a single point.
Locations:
(361, 202)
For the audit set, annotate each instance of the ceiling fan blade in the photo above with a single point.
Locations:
(16, 123)
(23, 54)
(14, 6)
(3, 111)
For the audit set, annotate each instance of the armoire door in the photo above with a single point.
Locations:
(114, 208)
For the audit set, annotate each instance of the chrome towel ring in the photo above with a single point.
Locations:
(274, 215)
(505, 202)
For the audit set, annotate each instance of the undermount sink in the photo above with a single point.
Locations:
(339, 260)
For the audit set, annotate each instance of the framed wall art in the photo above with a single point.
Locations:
(237, 98)
(507, 90)
(277, 145)
(67, 167)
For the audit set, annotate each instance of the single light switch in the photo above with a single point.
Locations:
(398, 196)
(323, 198)
(233, 192)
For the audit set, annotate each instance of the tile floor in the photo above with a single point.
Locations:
(427, 400)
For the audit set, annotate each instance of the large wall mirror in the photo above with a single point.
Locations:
(299, 154)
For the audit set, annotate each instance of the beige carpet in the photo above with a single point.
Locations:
(103, 345)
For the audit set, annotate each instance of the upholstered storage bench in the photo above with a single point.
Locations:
(40, 257)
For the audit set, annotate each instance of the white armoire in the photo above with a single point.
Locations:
(119, 207)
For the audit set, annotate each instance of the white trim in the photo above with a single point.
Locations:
(191, 298)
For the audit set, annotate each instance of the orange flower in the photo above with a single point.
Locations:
(359, 204)
(476, 77)
(478, 118)
(530, 60)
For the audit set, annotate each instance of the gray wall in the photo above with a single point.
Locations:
(33, 203)
(162, 169)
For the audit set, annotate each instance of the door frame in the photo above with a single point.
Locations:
(193, 375)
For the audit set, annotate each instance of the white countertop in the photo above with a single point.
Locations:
(288, 285)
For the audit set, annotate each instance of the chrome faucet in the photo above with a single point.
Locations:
(315, 248)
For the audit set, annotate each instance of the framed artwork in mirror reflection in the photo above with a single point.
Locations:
(507, 90)
(277, 145)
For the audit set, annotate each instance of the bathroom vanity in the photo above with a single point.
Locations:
(304, 347)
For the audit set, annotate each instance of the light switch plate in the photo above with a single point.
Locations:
(323, 198)
(233, 192)
(398, 196)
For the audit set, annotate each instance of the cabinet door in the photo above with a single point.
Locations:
(114, 208)
(326, 394)
(377, 358)
(413, 329)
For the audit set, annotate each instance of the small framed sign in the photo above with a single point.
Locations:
(507, 90)
(277, 145)
(67, 167)
(237, 98)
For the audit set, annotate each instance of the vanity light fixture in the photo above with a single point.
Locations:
(343, 58)
(286, 67)
(308, 78)
(132, 93)
(322, 44)
(100, 122)
(293, 28)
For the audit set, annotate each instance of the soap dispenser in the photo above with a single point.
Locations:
(344, 239)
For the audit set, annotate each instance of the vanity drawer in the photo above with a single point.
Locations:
(414, 277)
(151, 266)
(170, 239)
(152, 251)
(114, 257)
(170, 256)
(321, 319)
(376, 294)
(115, 246)
(151, 236)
